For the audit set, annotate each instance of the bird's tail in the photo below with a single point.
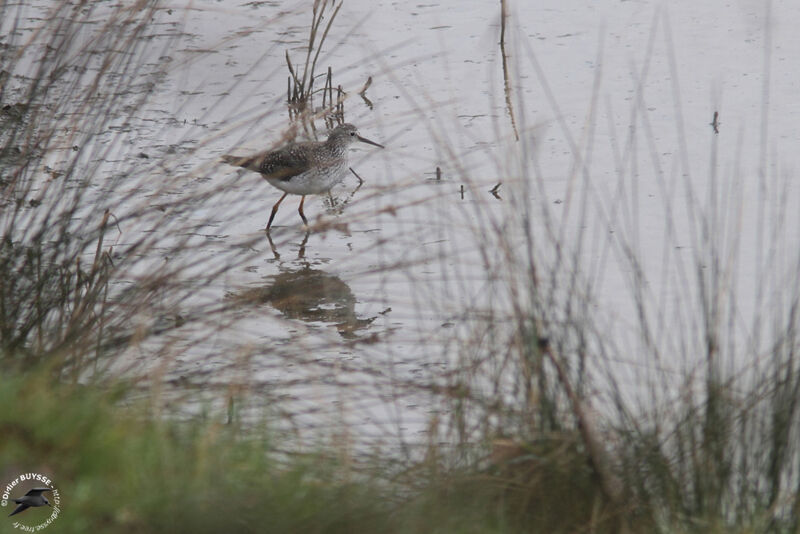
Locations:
(248, 162)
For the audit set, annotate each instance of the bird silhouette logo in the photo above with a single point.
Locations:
(34, 497)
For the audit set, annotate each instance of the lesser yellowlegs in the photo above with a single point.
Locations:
(304, 169)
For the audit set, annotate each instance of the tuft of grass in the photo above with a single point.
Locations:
(117, 469)
(56, 233)
(705, 445)
(300, 89)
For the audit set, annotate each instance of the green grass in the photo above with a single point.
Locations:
(119, 470)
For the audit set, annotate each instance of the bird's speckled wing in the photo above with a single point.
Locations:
(281, 164)
(286, 162)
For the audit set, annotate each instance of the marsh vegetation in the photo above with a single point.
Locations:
(443, 352)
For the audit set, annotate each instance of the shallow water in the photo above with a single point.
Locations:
(612, 103)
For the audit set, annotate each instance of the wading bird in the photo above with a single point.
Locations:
(308, 168)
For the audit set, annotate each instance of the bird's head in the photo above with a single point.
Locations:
(347, 134)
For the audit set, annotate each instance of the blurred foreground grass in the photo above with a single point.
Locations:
(122, 471)
(119, 470)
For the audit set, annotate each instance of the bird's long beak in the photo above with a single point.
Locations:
(365, 140)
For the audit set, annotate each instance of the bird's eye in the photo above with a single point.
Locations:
(352, 134)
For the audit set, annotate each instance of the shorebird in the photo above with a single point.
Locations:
(308, 168)
(34, 497)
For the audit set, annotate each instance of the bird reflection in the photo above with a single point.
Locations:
(301, 252)
(310, 295)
